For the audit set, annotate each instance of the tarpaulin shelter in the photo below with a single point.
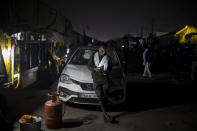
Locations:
(187, 35)
(34, 16)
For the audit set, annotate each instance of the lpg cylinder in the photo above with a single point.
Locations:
(53, 111)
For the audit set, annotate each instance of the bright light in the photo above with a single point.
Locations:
(16, 75)
(92, 40)
(19, 36)
(68, 50)
(43, 37)
(122, 46)
(6, 53)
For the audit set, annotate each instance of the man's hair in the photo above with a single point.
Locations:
(104, 45)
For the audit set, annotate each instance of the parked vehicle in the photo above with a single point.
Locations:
(76, 84)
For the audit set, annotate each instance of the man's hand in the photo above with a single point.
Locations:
(97, 69)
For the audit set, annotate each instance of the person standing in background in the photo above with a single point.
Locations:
(146, 61)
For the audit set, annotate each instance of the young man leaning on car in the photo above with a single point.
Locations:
(100, 65)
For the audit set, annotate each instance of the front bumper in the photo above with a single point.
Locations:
(73, 92)
(75, 97)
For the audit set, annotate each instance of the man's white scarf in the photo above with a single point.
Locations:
(103, 62)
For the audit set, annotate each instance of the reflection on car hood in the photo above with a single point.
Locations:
(78, 72)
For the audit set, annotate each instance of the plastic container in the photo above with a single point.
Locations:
(35, 126)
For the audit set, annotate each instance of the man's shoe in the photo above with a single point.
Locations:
(108, 118)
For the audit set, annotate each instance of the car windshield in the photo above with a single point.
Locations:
(82, 56)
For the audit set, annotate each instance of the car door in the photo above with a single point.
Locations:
(117, 92)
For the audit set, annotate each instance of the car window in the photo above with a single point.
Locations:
(82, 56)
(113, 56)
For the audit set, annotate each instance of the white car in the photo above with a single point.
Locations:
(76, 84)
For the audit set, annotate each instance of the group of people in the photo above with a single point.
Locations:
(146, 49)
(180, 59)
(100, 66)
(185, 60)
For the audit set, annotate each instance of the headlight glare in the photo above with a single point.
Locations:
(65, 79)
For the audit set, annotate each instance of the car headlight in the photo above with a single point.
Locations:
(65, 79)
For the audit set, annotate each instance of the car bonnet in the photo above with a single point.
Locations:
(78, 72)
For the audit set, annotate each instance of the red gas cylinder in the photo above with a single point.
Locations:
(53, 111)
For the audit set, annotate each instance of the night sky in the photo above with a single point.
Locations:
(104, 19)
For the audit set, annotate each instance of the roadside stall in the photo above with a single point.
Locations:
(187, 45)
(187, 35)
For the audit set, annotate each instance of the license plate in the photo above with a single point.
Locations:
(88, 95)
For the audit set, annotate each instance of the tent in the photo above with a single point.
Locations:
(187, 35)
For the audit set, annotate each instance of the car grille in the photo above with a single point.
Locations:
(67, 92)
(84, 100)
(76, 82)
(84, 86)
(87, 86)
